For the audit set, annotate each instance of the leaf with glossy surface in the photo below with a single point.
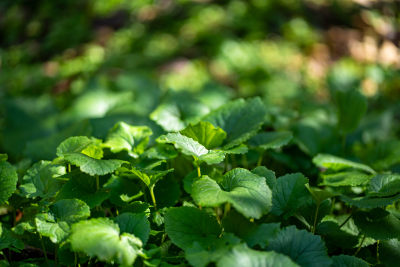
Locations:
(369, 202)
(93, 166)
(124, 137)
(41, 180)
(136, 224)
(336, 163)
(346, 178)
(289, 194)
(73, 144)
(8, 180)
(101, 238)
(206, 134)
(240, 119)
(242, 256)
(247, 192)
(384, 185)
(186, 225)
(301, 246)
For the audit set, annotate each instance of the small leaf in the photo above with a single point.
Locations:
(8, 181)
(136, 224)
(73, 144)
(270, 140)
(269, 175)
(247, 192)
(289, 194)
(242, 256)
(206, 134)
(186, 225)
(348, 261)
(240, 119)
(124, 137)
(336, 163)
(301, 246)
(346, 178)
(101, 237)
(41, 180)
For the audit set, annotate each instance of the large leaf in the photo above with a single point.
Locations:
(369, 202)
(91, 165)
(8, 240)
(242, 256)
(185, 225)
(289, 194)
(389, 252)
(73, 144)
(301, 246)
(101, 238)
(42, 180)
(136, 224)
(206, 134)
(8, 181)
(190, 147)
(384, 185)
(240, 119)
(378, 224)
(56, 223)
(348, 261)
(351, 105)
(270, 140)
(247, 192)
(336, 163)
(124, 137)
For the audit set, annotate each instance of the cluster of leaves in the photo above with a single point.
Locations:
(203, 191)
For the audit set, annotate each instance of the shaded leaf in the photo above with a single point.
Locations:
(136, 224)
(348, 261)
(270, 140)
(8, 180)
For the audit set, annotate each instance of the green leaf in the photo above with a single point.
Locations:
(352, 106)
(336, 163)
(41, 180)
(333, 235)
(82, 186)
(185, 225)
(8, 181)
(389, 252)
(270, 140)
(301, 246)
(348, 261)
(136, 224)
(93, 166)
(247, 192)
(369, 202)
(240, 119)
(8, 240)
(190, 147)
(384, 185)
(289, 194)
(3, 157)
(122, 190)
(124, 137)
(56, 223)
(378, 224)
(242, 256)
(73, 144)
(346, 178)
(253, 234)
(200, 256)
(269, 175)
(319, 195)
(101, 238)
(206, 134)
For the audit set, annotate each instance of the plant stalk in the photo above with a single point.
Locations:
(315, 218)
(153, 198)
(44, 250)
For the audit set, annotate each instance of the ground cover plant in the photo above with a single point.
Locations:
(199, 133)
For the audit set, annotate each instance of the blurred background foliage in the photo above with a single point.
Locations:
(76, 67)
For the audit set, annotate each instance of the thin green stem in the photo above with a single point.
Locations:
(44, 250)
(260, 159)
(69, 167)
(153, 198)
(217, 215)
(227, 208)
(198, 170)
(245, 162)
(56, 255)
(315, 218)
(359, 247)
(377, 252)
(97, 183)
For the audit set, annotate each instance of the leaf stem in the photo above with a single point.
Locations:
(153, 198)
(44, 250)
(260, 159)
(315, 218)
(69, 167)
(359, 247)
(198, 170)
(377, 252)
(97, 183)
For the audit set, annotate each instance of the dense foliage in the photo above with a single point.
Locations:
(176, 133)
